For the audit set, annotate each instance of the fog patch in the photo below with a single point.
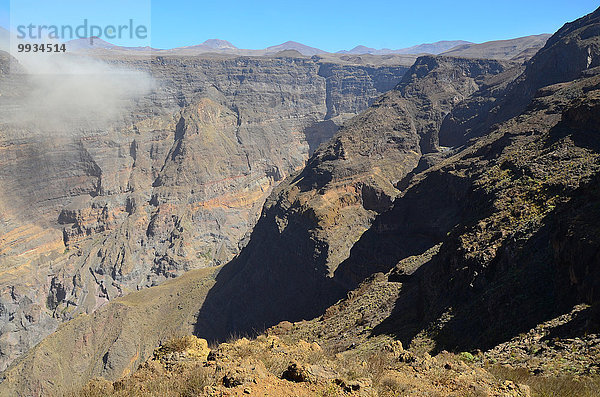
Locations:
(69, 93)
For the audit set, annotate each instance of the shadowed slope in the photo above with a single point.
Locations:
(313, 218)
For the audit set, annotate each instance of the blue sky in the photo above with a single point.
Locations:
(330, 25)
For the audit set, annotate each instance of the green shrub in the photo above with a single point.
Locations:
(466, 356)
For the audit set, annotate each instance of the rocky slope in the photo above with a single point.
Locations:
(490, 246)
(477, 243)
(360, 187)
(563, 58)
(311, 221)
(488, 243)
(92, 210)
(275, 364)
(519, 49)
(505, 210)
(111, 342)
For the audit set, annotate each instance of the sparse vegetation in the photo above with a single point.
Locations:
(176, 345)
(390, 386)
(331, 390)
(244, 365)
(546, 386)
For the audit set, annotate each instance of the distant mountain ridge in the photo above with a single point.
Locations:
(292, 45)
(212, 44)
(89, 43)
(517, 49)
(225, 47)
(520, 49)
(219, 44)
(429, 48)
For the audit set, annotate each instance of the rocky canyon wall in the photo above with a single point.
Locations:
(96, 204)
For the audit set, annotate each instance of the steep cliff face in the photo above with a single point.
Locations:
(313, 218)
(511, 216)
(569, 52)
(500, 270)
(174, 181)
